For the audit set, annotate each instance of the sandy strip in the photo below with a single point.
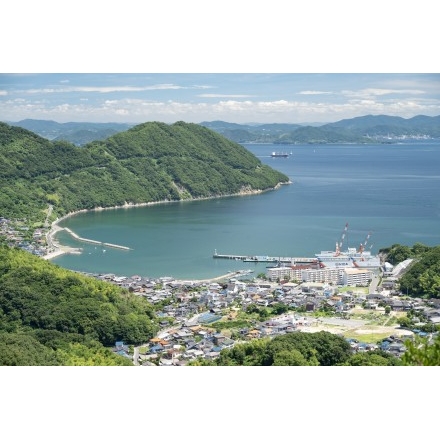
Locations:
(55, 249)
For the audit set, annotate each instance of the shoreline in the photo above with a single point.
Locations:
(55, 228)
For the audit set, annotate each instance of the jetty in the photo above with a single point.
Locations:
(265, 258)
(88, 240)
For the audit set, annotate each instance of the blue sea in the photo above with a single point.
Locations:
(389, 193)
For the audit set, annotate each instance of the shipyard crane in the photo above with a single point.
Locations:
(362, 246)
(339, 245)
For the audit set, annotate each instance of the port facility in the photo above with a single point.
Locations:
(265, 258)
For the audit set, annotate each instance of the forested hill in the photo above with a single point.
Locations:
(52, 316)
(147, 163)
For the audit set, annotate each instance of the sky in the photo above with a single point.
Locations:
(239, 62)
(232, 97)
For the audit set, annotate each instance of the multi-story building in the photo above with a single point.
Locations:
(356, 277)
(309, 273)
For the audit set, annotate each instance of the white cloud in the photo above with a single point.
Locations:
(108, 89)
(3, 92)
(314, 92)
(213, 95)
(364, 93)
(232, 110)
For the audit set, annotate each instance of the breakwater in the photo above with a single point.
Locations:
(88, 240)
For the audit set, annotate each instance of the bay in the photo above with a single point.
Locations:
(388, 191)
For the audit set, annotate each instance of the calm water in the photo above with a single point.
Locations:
(392, 191)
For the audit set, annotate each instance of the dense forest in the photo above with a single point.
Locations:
(150, 162)
(53, 316)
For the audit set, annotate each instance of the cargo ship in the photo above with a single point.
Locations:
(279, 154)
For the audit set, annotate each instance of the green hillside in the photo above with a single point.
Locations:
(148, 163)
(52, 316)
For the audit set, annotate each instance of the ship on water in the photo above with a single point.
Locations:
(352, 257)
(280, 154)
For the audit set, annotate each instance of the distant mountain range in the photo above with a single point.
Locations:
(363, 129)
(78, 133)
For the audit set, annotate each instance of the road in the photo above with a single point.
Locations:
(374, 283)
(136, 356)
(49, 213)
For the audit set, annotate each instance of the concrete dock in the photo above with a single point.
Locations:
(265, 258)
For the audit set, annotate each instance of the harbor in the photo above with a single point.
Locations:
(265, 258)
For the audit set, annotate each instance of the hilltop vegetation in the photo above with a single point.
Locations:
(150, 162)
(422, 279)
(52, 316)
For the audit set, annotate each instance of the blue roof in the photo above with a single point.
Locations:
(123, 353)
(208, 318)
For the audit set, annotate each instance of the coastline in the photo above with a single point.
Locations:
(55, 249)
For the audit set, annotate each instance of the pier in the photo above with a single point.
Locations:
(265, 258)
(87, 240)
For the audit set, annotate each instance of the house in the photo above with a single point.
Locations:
(310, 306)
(120, 346)
(219, 338)
(397, 305)
(253, 334)
(156, 348)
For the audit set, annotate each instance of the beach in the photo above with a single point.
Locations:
(54, 248)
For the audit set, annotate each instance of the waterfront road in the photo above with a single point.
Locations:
(374, 283)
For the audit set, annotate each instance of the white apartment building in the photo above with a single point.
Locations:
(335, 276)
(325, 275)
(356, 277)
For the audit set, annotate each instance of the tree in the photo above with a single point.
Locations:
(398, 253)
(371, 358)
(404, 321)
(289, 358)
(387, 310)
(279, 308)
(422, 352)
